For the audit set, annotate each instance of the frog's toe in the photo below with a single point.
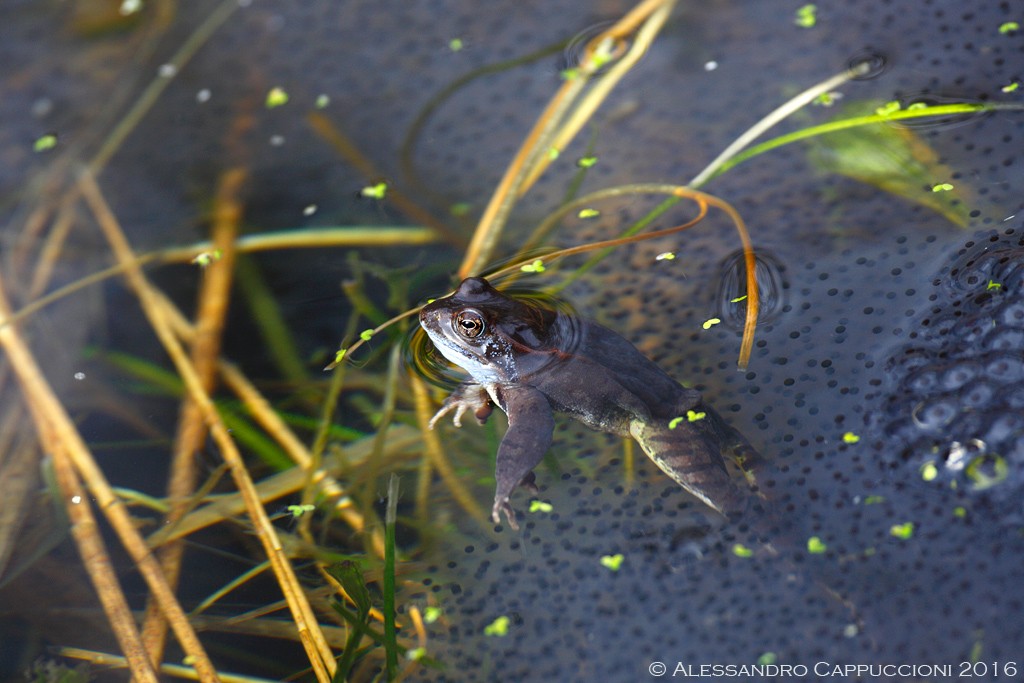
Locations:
(501, 506)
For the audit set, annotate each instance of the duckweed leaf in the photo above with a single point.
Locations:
(740, 550)
(987, 471)
(612, 562)
(374, 191)
(276, 97)
(540, 506)
(498, 627)
(902, 531)
(816, 546)
(806, 16)
(45, 142)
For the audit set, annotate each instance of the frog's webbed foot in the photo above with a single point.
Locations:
(530, 426)
(467, 396)
(500, 506)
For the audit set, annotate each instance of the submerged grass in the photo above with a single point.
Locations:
(339, 475)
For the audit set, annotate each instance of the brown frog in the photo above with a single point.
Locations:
(532, 361)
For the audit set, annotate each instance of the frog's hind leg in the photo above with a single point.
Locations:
(691, 454)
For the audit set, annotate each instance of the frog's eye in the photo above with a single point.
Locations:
(469, 323)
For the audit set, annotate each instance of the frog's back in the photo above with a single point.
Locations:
(662, 395)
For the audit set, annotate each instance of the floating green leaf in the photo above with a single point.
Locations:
(45, 142)
(455, 44)
(850, 438)
(612, 562)
(366, 335)
(767, 658)
(888, 108)
(205, 258)
(694, 415)
(1012, 87)
(322, 101)
(929, 471)
(535, 267)
(665, 256)
(299, 510)
(498, 627)
(589, 213)
(711, 322)
(827, 99)
(276, 97)
(942, 187)
(1008, 26)
(432, 614)
(740, 550)
(986, 471)
(586, 162)
(902, 531)
(806, 16)
(992, 284)
(374, 191)
(816, 546)
(674, 422)
(540, 506)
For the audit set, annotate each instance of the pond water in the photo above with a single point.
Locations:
(887, 388)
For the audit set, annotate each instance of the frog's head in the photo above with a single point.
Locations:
(486, 333)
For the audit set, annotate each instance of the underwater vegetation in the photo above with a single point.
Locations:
(809, 214)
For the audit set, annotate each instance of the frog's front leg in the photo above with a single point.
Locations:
(531, 424)
(467, 396)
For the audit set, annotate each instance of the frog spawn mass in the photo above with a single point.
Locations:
(887, 534)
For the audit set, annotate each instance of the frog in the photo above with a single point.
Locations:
(532, 361)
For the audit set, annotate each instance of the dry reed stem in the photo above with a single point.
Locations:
(532, 157)
(58, 432)
(108, 661)
(317, 649)
(213, 298)
(404, 439)
(292, 239)
(576, 119)
(266, 417)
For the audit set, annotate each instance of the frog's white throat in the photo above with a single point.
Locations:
(481, 371)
